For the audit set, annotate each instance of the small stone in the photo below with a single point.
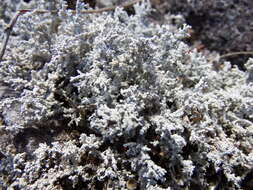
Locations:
(131, 184)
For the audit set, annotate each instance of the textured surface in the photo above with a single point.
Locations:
(111, 101)
(223, 26)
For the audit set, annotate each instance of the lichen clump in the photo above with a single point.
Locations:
(114, 101)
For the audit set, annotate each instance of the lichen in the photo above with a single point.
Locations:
(101, 99)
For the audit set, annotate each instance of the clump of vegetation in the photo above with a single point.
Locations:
(112, 100)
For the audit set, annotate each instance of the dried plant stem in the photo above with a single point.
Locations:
(236, 53)
(125, 5)
(10, 26)
(7, 31)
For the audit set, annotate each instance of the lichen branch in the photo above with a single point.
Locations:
(10, 26)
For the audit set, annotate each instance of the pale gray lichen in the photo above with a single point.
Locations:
(220, 25)
(101, 99)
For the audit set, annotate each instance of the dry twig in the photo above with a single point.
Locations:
(236, 53)
(10, 26)
(7, 31)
